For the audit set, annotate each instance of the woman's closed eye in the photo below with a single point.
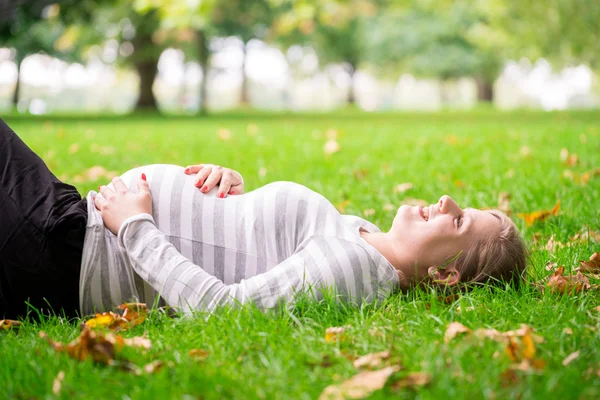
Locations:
(458, 221)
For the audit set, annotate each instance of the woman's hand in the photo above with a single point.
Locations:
(119, 204)
(210, 175)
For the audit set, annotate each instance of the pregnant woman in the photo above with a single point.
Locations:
(153, 234)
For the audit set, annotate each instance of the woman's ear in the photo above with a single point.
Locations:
(448, 275)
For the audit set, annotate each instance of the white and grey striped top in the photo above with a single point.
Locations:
(198, 251)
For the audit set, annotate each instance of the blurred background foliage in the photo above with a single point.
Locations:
(441, 40)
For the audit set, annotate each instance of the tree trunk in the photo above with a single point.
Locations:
(485, 90)
(245, 96)
(351, 95)
(16, 93)
(147, 72)
(203, 56)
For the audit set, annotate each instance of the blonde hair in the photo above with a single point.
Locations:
(498, 259)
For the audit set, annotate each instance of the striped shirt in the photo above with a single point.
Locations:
(198, 252)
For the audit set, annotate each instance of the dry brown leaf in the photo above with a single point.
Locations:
(525, 151)
(592, 265)
(531, 218)
(570, 358)
(9, 324)
(371, 360)
(509, 377)
(138, 341)
(553, 244)
(402, 187)
(341, 206)
(568, 284)
(199, 354)
(454, 329)
(504, 337)
(523, 354)
(568, 331)
(88, 345)
(412, 380)
(262, 172)
(135, 313)
(57, 383)
(331, 147)
(153, 366)
(360, 385)
(331, 134)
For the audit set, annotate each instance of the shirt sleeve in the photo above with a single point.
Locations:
(186, 285)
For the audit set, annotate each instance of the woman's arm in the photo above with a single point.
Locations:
(183, 284)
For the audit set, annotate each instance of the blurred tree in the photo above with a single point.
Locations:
(564, 31)
(246, 19)
(337, 30)
(33, 26)
(184, 21)
(443, 39)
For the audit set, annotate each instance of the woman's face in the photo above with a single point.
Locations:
(431, 236)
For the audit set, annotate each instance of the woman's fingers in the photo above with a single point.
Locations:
(99, 202)
(119, 184)
(213, 179)
(192, 169)
(224, 186)
(202, 175)
(236, 189)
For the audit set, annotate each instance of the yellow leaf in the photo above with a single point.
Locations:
(531, 218)
(335, 333)
(198, 354)
(341, 207)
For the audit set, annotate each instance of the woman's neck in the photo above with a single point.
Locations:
(382, 243)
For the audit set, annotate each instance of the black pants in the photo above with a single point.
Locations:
(42, 227)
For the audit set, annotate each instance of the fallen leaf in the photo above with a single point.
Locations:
(371, 360)
(252, 129)
(335, 333)
(331, 147)
(510, 173)
(551, 266)
(369, 212)
(454, 329)
(74, 148)
(568, 331)
(331, 134)
(108, 320)
(88, 345)
(412, 380)
(567, 284)
(94, 173)
(504, 202)
(102, 150)
(459, 184)
(341, 206)
(531, 218)
(198, 354)
(138, 341)
(523, 354)
(57, 383)
(402, 187)
(360, 174)
(570, 358)
(9, 324)
(388, 207)
(415, 202)
(504, 337)
(135, 313)
(224, 134)
(509, 377)
(153, 366)
(525, 151)
(262, 172)
(592, 265)
(360, 385)
(553, 244)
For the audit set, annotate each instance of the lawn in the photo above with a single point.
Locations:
(473, 156)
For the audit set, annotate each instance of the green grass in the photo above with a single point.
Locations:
(471, 156)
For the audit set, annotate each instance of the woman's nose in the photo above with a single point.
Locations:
(447, 205)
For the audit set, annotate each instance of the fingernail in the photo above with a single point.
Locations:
(204, 188)
(232, 192)
(143, 176)
(221, 195)
(99, 187)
